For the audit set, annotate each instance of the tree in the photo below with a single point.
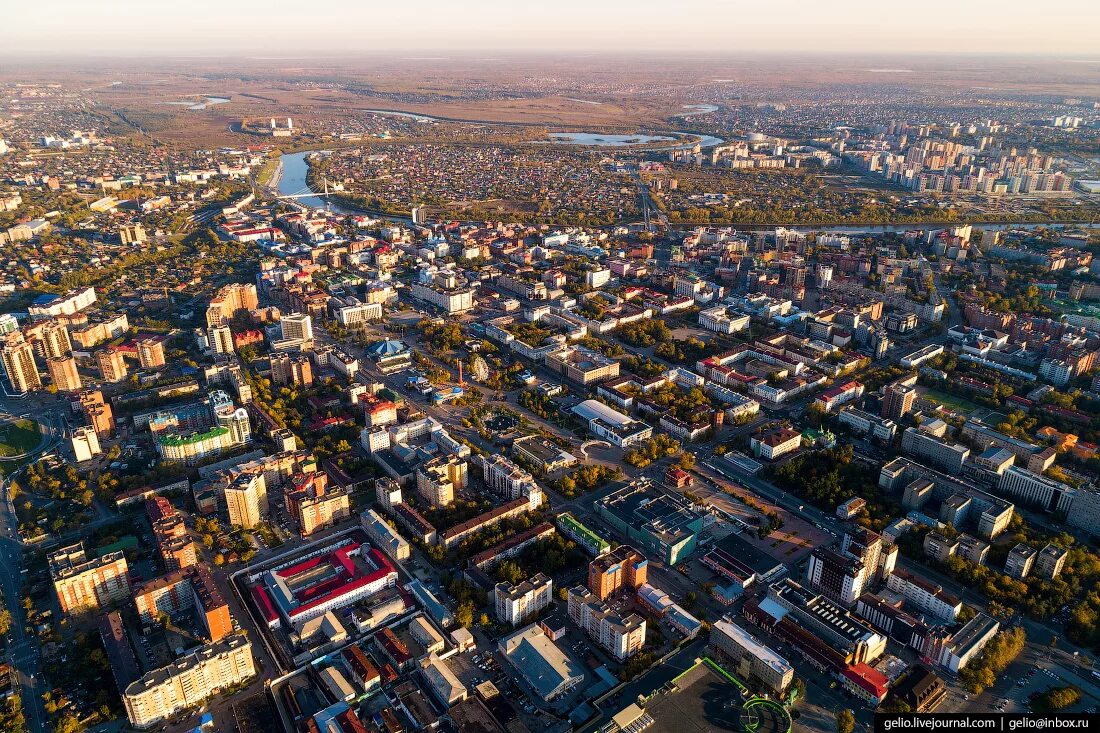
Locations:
(5, 621)
(845, 721)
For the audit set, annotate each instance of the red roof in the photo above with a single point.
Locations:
(868, 679)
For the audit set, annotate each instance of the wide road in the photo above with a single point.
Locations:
(23, 652)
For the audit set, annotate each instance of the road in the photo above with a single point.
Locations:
(23, 652)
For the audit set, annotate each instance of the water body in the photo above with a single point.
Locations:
(408, 115)
(697, 109)
(607, 141)
(210, 102)
(293, 181)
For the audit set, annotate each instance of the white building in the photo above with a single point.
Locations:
(516, 603)
(85, 443)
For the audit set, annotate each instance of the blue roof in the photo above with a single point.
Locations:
(389, 347)
(46, 298)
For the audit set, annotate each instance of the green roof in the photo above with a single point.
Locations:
(178, 440)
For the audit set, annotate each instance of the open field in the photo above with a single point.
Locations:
(949, 400)
(18, 437)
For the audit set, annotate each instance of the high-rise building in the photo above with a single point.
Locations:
(83, 583)
(221, 339)
(387, 492)
(112, 365)
(55, 340)
(297, 327)
(229, 301)
(516, 603)
(291, 369)
(313, 505)
(246, 500)
(439, 479)
(17, 356)
(844, 575)
(622, 636)
(64, 374)
(85, 443)
(622, 567)
(97, 412)
(897, 401)
(188, 681)
(150, 353)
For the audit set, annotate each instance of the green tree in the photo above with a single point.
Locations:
(845, 721)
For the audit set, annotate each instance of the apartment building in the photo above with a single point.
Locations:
(112, 365)
(1050, 561)
(150, 353)
(291, 369)
(17, 356)
(188, 681)
(97, 412)
(439, 479)
(64, 374)
(1019, 562)
(313, 505)
(88, 583)
(516, 603)
(623, 567)
(246, 499)
(622, 636)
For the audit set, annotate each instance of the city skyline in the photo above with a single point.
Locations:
(205, 28)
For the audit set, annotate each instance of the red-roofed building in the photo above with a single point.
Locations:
(865, 682)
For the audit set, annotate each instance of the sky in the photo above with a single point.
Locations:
(51, 28)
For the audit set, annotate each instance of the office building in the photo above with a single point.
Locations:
(1036, 490)
(297, 327)
(17, 355)
(112, 365)
(83, 583)
(188, 681)
(938, 452)
(64, 374)
(623, 567)
(439, 479)
(517, 603)
(753, 660)
(150, 353)
(930, 599)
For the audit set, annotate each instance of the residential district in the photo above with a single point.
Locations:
(276, 466)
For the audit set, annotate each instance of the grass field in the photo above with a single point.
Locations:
(951, 401)
(16, 438)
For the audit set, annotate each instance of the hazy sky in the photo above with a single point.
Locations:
(286, 27)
